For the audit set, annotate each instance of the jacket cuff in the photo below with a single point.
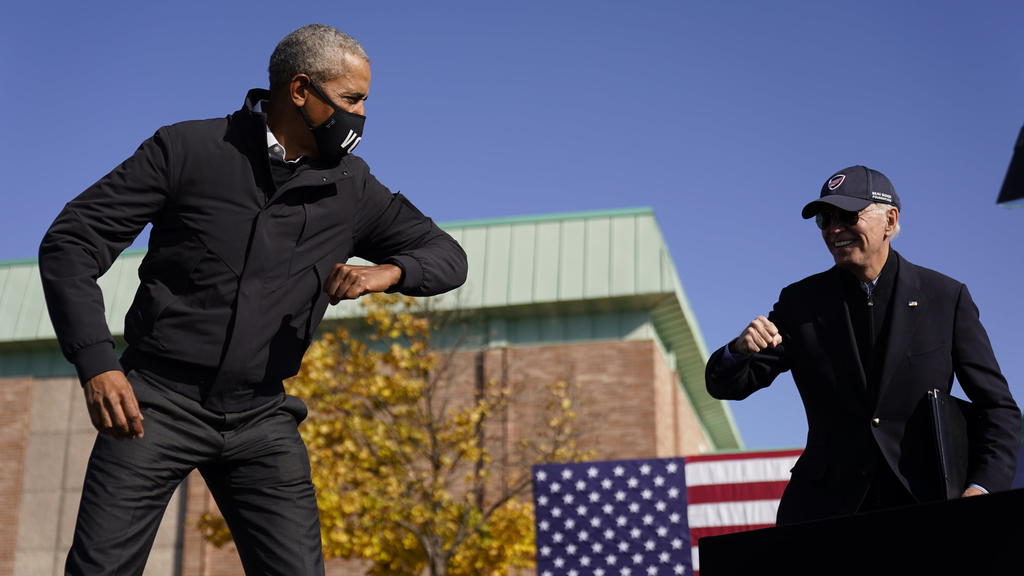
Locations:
(95, 359)
(412, 273)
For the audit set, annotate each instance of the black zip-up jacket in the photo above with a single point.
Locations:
(231, 286)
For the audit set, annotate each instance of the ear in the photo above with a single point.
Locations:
(298, 89)
(892, 218)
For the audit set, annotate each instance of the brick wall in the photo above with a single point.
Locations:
(630, 403)
(41, 482)
(14, 397)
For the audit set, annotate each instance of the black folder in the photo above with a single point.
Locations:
(950, 422)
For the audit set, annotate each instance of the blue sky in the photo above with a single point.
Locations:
(724, 117)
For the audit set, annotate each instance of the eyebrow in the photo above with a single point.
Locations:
(352, 93)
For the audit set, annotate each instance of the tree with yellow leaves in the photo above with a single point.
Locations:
(407, 476)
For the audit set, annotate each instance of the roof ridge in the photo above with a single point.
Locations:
(580, 215)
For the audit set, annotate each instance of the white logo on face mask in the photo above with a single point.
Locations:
(351, 141)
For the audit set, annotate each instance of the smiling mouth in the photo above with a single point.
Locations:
(842, 243)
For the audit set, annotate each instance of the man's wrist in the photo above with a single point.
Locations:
(396, 274)
(731, 347)
(95, 359)
(411, 273)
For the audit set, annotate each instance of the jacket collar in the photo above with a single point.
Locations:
(252, 97)
(248, 131)
(905, 309)
(836, 330)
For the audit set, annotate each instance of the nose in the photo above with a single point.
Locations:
(833, 228)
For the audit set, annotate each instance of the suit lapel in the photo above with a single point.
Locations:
(835, 331)
(905, 313)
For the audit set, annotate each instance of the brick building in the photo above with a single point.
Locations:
(594, 297)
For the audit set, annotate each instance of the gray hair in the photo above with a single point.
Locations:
(317, 50)
(882, 209)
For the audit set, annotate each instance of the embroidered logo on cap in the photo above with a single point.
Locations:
(836, 181)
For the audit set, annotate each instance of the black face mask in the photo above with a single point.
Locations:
(339, 134)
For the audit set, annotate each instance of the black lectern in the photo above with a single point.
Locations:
(966, 536)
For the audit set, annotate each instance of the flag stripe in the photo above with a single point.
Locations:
(698, 533)
(747, 513)
(742, 455)
(742, 491)
(740, 470)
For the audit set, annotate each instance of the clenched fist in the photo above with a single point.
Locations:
(348, 282)
(757, 336)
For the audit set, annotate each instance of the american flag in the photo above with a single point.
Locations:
(645, 517)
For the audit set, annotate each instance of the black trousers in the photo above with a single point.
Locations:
(254, 463)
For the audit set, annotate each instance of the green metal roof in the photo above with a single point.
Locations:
(550, 264)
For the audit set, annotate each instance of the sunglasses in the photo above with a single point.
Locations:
(824, 218)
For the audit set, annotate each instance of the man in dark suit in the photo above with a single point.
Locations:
(865, 341)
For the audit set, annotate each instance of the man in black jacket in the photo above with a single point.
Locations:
(254, 217)
(866, 340)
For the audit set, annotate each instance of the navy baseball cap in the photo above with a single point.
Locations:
(853, 189)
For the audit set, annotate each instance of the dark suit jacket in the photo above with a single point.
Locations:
(935, 332)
